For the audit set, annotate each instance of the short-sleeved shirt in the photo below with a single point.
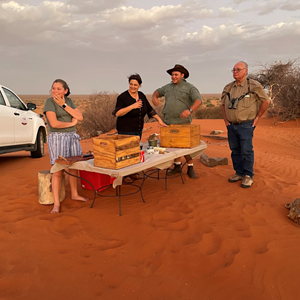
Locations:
(61, 114)
(134, 119)
(177, 99)
(248, 106)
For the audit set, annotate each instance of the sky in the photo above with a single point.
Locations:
(95, 45)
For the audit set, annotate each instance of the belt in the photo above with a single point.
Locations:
(240, 123)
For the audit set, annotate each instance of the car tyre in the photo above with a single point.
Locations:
(39, 145)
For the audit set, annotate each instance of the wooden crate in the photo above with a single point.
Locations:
(180, 136)
(116, 152)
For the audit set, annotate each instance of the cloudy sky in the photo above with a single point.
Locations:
(95, 44)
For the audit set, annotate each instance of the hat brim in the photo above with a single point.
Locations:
(181, 70)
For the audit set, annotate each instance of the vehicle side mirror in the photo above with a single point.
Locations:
(31, 106)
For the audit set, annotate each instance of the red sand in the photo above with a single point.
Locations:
(206, 239)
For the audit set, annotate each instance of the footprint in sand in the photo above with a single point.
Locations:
(249, 209)
(109, 245)
(86, 250)
(172, 219)
(67, 226)
(97, 276)
(210, 243)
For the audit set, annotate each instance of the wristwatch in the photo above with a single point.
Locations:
(64, 106)
(191, 110)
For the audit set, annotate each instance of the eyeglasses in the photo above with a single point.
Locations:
(237, 70)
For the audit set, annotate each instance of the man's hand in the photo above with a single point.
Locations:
(185, 114)
(224, 116)
(226, 122)
(263, 107)
(155, 100)
(255, 121)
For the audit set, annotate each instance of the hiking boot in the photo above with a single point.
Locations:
(175, 170)
(247, 182)
(191, 173)
(235, 178)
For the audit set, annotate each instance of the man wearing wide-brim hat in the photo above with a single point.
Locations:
(181, 99)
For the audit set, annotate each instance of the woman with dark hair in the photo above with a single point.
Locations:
(131, 108)
(62, 116)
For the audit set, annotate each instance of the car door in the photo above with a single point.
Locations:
(7, 122)
(23, 122)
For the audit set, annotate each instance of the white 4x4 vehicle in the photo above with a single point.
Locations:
(20, 127)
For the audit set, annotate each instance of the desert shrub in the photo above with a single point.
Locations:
(97, 114)
(210, 105)
(281, 81)
(208, 113)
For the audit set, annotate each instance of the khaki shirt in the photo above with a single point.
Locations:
(177, 99)
(248, 106)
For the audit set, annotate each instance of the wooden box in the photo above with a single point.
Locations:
(180, 136)
(116, 152)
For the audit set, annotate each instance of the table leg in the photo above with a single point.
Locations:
(181, 172)
(95, 192)
(170, 177)
(118, 191)
(166, 178)
(141, 187)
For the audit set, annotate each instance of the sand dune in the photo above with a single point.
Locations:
(205, 239)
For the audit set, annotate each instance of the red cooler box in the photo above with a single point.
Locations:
(96, 179)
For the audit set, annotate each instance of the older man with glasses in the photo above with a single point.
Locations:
(244, 101)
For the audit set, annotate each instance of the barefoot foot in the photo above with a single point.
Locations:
(80, 198)
(55, 210)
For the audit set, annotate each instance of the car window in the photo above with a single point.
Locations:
(2, 102)
(14, 100)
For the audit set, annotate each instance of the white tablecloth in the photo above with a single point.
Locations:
(160, 161)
